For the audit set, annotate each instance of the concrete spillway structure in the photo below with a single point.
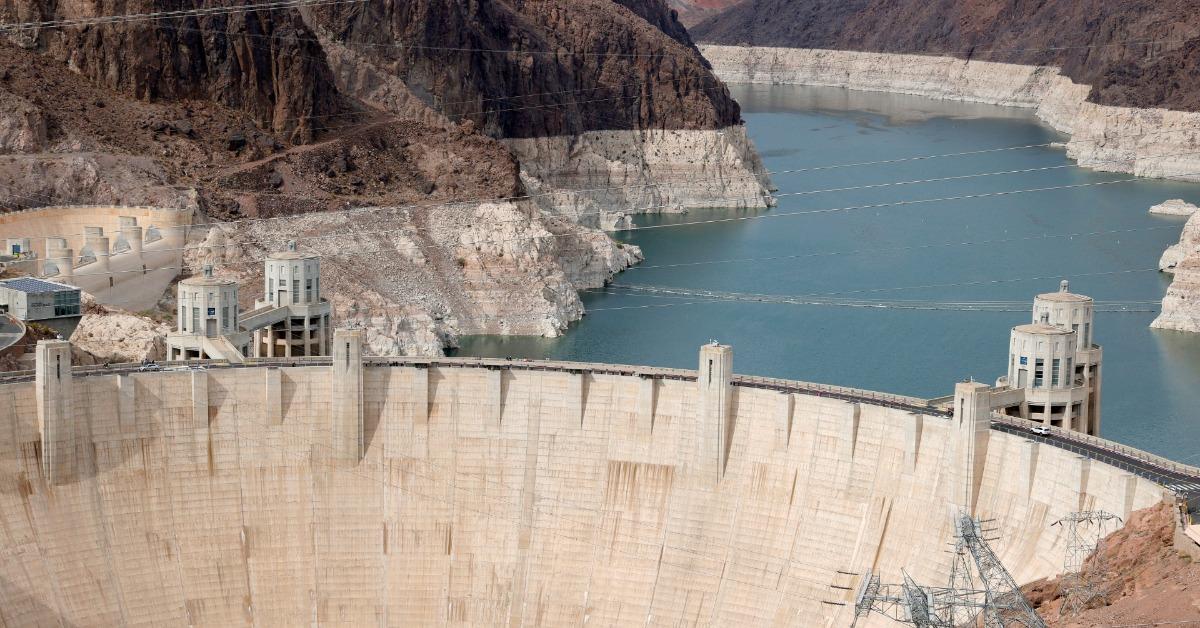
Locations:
(464, 492)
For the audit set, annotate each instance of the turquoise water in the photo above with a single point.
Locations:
(991, 249)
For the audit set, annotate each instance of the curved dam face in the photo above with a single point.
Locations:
(456, 492)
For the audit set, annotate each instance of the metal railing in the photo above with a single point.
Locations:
(1140, 462)
(900, 402)
(1146, 459)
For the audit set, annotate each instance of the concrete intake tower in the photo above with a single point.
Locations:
(356, 491)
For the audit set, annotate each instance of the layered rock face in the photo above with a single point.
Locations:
(264, 63)
(1181, 305)
(586, 94)
(1146, 142)
(1135, 53)
(453, 114)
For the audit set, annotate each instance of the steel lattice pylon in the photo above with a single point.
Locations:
(1006, 605)
(999, 599)
(1085, 529)
(910, 603)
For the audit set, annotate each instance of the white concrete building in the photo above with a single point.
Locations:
(207, 321)
(293, 320)
(50, 303)
(1053, 365)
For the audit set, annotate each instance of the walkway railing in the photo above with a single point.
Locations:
(1145, 459)
(1121, 456)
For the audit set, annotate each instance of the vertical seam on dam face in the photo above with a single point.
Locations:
(528, 502)
(658, 538)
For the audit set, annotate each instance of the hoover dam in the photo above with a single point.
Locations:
(351, 490)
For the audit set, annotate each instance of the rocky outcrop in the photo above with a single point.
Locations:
(1181, 305)
(1174, 207)
(538, 69)
(109, 334)
(601, 177)
(649, 116)
(416, 279)
(22, 125)
(264, 63)
(1145, 571)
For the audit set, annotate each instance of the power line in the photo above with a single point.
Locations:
(1044, 236)
(287, 4)
(685, 224)
(166, 15)
(827, 298)
(680, 205)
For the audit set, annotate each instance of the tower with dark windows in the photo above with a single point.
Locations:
(1054, 362)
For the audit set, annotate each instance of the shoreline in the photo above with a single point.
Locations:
(1151, 143)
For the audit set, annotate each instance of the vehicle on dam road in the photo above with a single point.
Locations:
(1040, 430)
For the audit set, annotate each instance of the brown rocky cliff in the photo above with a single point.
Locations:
(692, 12)
(532, 68)
(1144, 576)
(1137, 53)
(264, 63)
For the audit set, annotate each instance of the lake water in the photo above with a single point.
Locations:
(999, 248)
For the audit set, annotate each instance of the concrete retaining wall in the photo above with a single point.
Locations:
(488, 496)
(69, 222)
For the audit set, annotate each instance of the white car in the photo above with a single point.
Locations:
(1040, 430)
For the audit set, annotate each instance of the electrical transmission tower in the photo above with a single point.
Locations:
(910, 603)
(1006, 605)
(1085, 529)
(999, 599)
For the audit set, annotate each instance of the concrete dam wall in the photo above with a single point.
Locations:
(460, 492)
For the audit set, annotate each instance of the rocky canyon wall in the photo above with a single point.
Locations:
(593, 94)
(447, 119)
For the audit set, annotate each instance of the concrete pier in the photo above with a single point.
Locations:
(132, 235)
(716, 410)
(56, 411)
(99, 247)
(64, 264)
(972, 424)
(346, 398)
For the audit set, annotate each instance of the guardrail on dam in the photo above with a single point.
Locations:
(404, 491)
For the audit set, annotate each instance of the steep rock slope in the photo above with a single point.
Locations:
(608, 94)
(268, 114)
(1137, 53)
(1147, 578)
(532, 69)
(693, 12)
(264, 63)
